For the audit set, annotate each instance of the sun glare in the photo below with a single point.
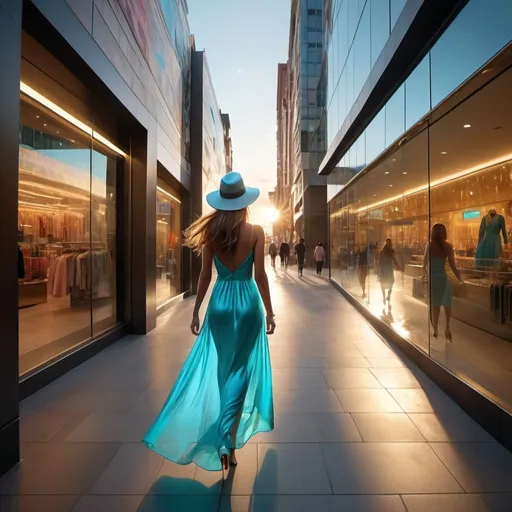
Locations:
(273, 214)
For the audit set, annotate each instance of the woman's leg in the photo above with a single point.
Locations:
(234, 430)
(436, 310)
(448, 314)
(383, 293)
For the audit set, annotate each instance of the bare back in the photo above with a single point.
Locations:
(244, 247)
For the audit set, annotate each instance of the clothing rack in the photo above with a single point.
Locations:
(82, 273)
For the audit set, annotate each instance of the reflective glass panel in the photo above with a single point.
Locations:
(54, 227)
(481, 29)
(395, 116)
(417, 93)
(379, 27)
(470, 197)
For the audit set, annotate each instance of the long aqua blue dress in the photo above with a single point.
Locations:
(227, 372)
(489, 242)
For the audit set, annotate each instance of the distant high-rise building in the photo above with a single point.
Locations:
(228, 147)
(301, 193)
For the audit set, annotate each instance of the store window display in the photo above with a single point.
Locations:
(489, 250)
(67, 227)
(168, 244)
(444, 198)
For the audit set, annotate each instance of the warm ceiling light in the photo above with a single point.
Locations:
(387, 172)
(405, 172)
(478, 168)
(163, 191)
(444, 152)
(43, 100)
(467, 126)
(390, 185)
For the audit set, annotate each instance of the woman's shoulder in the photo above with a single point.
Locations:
(256, 230)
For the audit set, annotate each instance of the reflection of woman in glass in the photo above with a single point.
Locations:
(362, 269)
(386, 270)
(436, 254)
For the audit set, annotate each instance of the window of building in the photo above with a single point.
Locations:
(479, 31)
(417, 93)
(453, 182)
(168, 243)
(379, 14)
(68, 219)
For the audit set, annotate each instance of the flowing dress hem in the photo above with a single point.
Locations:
(192, 461)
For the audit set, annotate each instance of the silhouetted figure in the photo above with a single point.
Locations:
(319, 257)
(300, 251)
(284, 254)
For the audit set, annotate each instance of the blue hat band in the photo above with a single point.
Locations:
(232, 195)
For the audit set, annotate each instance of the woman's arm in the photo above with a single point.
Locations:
(260, 276)
(205, 278)
(451, 262)
(426, 257)
(395, 261)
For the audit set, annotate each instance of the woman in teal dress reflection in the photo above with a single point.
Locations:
(386, 270)
(437, 252)
(223, 394)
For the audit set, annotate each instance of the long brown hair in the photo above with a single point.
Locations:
(220, 228)
(387, 248)
(439, 236)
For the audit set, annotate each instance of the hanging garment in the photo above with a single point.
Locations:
(227, 373)
(489, 241)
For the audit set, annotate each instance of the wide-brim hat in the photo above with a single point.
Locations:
(232, 194)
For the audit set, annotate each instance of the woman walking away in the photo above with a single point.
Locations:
(223, 394)
(362, 269)
(437, 252)
(319, 257)
(386, 270)
(272, 250)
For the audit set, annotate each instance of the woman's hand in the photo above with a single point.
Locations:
(271, 324)
(195, 325)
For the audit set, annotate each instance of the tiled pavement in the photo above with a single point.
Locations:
(358, 428)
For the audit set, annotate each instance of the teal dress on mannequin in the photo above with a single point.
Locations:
(489, 241)
(226, 375)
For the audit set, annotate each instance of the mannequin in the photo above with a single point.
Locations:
(489, 240)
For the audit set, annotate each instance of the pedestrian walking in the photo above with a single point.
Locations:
(284, 254)
(319, 257)
(300, 251)
(223, 394)
(386, 270)
(272, 250)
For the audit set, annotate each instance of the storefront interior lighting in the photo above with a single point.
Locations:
(43, 100)
(422, 188)
(444, 152)
(163, 191)
(467, 126)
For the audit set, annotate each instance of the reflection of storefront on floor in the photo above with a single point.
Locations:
(456, 171)
(67, 226)
(168, 244)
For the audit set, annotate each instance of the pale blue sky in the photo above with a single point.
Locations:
(244, 41)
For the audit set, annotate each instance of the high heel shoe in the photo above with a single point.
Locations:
(448, 334)
(224, 461)
(434, 335)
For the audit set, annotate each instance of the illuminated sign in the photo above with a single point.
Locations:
(474, 214)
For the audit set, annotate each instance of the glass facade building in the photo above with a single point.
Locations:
(435, 157)
(300, 192)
